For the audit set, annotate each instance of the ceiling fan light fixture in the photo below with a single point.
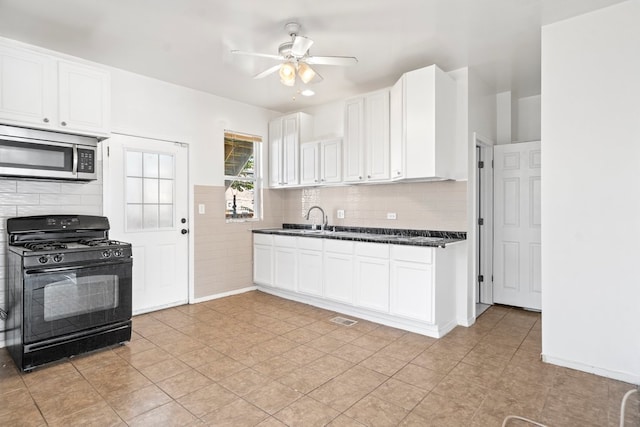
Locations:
(305, 72)
(288, 73)
(307, 92)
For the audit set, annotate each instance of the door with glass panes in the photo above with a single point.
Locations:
(146, 194)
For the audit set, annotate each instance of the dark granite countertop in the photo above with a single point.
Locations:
(392, 236)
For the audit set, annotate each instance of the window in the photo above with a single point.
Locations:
(242, 192)
(149, 190)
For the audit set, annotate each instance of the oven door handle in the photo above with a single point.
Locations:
(75, 160)
(76, 267)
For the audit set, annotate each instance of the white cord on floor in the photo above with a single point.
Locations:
(624, 402)
(515, 417)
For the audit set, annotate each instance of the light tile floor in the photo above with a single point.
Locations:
(258, 360)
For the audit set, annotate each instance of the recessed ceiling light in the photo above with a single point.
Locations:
(307, 92)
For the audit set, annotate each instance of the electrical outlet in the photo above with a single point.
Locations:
(391, 215)
(340, 213)
(201, 208)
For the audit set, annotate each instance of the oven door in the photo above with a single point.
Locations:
(64, 300)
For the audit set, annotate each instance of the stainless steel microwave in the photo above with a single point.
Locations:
(31, 153)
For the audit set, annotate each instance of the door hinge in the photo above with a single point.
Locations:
(108, 151)
(492, 163)
(481, 278)
(480, 164)
(492, 277)
(480, 221)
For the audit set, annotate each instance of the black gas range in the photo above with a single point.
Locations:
(69, 287)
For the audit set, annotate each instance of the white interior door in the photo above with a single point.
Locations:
(517, 225)
(146, 201)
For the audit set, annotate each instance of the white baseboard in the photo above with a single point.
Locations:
(620, 376)
(223, 294)
(159, 307)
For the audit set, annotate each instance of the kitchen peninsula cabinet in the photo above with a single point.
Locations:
(404, 286)
(366, 138)
(423, 125)
(286, 133)
(44, 92)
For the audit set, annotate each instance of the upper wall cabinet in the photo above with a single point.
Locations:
(321, 162)
(41, 91)
(285, 135)
(423, 125)
(366, 138)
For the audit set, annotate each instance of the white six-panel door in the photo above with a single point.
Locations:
(146, 194)
(516, 267)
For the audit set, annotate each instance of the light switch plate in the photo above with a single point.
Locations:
(391, 215)
(340, 214)
(201, 208)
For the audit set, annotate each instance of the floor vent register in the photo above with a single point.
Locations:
(344, 321)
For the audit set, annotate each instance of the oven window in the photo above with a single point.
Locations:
(69, 295)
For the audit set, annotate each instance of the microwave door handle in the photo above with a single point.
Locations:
(75, 160)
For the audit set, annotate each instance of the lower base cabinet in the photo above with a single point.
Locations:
(409, 287)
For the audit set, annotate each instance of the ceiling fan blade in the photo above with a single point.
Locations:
(300, 46)
(262, 55)
(267, 72)
(331, 60)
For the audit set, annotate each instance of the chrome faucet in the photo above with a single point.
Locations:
(325, 219)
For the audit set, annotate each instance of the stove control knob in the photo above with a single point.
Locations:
(117, 252)
(43, 260)
(58, 257)
(106, 254)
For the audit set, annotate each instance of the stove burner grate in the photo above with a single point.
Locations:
(100, 242)
(45, 246)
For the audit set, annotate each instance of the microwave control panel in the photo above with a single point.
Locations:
(86, 160)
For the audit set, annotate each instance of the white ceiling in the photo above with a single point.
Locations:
(187, 42)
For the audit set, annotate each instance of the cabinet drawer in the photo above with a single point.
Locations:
(412, 253)
(262, 239)
(374, 250)
(285, 241)
(310, 243)
(339, 246)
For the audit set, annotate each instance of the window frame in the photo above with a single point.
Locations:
(257, 176)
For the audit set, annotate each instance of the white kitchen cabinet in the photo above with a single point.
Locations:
(263, 259)
(372, 276)
(41, 91)
(286, 133)
(84, 99)
(412, 282)
(366, 138)
(320, 162)
(310, 274)
(338, 270)
(285, 265)
(27, 88)
(423, 125)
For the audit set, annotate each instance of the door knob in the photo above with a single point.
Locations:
(184, 231)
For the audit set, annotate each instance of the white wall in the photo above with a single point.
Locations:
(152, 108)
(591, 192)
(528, 119)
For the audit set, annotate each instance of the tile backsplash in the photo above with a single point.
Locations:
(426, 205)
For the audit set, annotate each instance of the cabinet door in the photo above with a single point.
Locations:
(309, 171)
(354, 141)
(275, 153)
(338, 277)
(372, 283)
(262, 265)
(83, 99)
(377, 136)
(397, 139)
(331, 161)
(284, 270)
(290, 143)
(412, 290)
(27, 88)
(310, 272)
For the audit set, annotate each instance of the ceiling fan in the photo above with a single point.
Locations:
(296, 60)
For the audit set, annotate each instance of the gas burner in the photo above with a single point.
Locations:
(45, 246)
(100, 242)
